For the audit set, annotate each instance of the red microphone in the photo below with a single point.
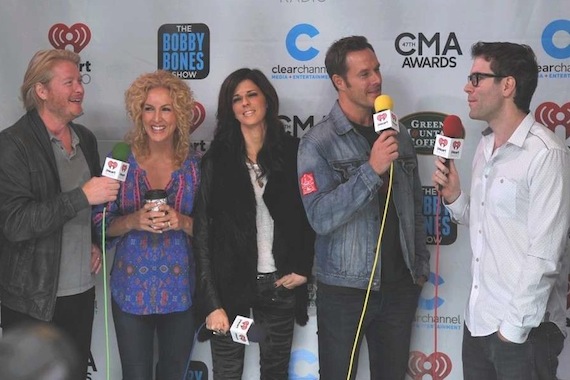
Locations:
(452, 127)
(449, 144)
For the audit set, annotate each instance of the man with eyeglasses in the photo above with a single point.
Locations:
(519, 216)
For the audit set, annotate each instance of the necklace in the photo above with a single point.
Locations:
(257, 171)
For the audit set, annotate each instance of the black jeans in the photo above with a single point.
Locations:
(274, 310)
(387, 326)
(489, 358)
(73, 314)
(135, 338)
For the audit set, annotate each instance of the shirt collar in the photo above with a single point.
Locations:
(519, 135)
(521, 132)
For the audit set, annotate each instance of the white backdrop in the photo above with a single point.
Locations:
(424, 50)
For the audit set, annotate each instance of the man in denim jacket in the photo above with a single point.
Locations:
(344, 172)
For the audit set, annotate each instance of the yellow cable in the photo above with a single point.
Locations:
(369, 288)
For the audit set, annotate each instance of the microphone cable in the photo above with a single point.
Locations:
(374, 265)
(106, 310)
(105, 297)
(436, 281)
(184, 375)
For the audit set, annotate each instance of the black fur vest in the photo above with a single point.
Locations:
(226, 233)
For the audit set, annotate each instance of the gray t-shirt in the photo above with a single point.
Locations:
(75, 275)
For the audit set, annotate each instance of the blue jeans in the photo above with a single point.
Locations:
(488, 357)
(135, 338)
(387, 326)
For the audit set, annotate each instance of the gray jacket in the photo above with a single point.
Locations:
(33, 211)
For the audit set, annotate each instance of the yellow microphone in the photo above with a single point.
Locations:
(384, 118)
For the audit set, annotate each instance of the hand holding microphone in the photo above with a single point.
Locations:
(243, 330)
(99, 190)
(217, 321)
(385, 148)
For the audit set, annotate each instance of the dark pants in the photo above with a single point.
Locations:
(135, 339)
(275, 312)
(73, 314)
(387, 326)
(489, 358)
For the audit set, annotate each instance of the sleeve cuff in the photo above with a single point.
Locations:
(513, 333)
(458, 206)
(370, 177)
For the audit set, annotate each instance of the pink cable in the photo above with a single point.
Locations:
(436, 284)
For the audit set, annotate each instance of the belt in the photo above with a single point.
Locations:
(267, 276)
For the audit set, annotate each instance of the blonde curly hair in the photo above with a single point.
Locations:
(182, 104)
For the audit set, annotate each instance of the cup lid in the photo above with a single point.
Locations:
(155, 194)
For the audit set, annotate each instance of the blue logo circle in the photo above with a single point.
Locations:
(430, 303)
(298, 357)
(291, 42)
(548, 39)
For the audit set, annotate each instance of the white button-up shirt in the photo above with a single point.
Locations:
(519, 216)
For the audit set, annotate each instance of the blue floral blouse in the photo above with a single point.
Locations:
(152, 273)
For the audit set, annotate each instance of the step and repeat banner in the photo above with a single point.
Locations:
(424, 50)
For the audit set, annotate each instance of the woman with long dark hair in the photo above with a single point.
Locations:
(254, 246)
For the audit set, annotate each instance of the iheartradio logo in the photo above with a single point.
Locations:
(198, 116)
(552, 115)
(456, 144)
(115, 164)
(381, 117)
(443, 142)
(437, 365)
(78, 36)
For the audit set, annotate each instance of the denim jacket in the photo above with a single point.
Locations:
(341, 200)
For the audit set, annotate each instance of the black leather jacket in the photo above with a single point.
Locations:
(33, 211)
(225, 234)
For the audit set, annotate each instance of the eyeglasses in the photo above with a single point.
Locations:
(474, 78)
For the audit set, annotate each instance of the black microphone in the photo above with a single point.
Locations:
(243, 330)
(116, 166)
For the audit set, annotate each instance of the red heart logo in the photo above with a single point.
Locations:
(443, 142)
(439, 366)
(113, 164)
(78, 36)
(198, 116)
(552, 115)
(456, 144)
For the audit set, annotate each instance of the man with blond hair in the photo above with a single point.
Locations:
(48, 183)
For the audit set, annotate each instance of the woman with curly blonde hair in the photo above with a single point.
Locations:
(153, 275)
